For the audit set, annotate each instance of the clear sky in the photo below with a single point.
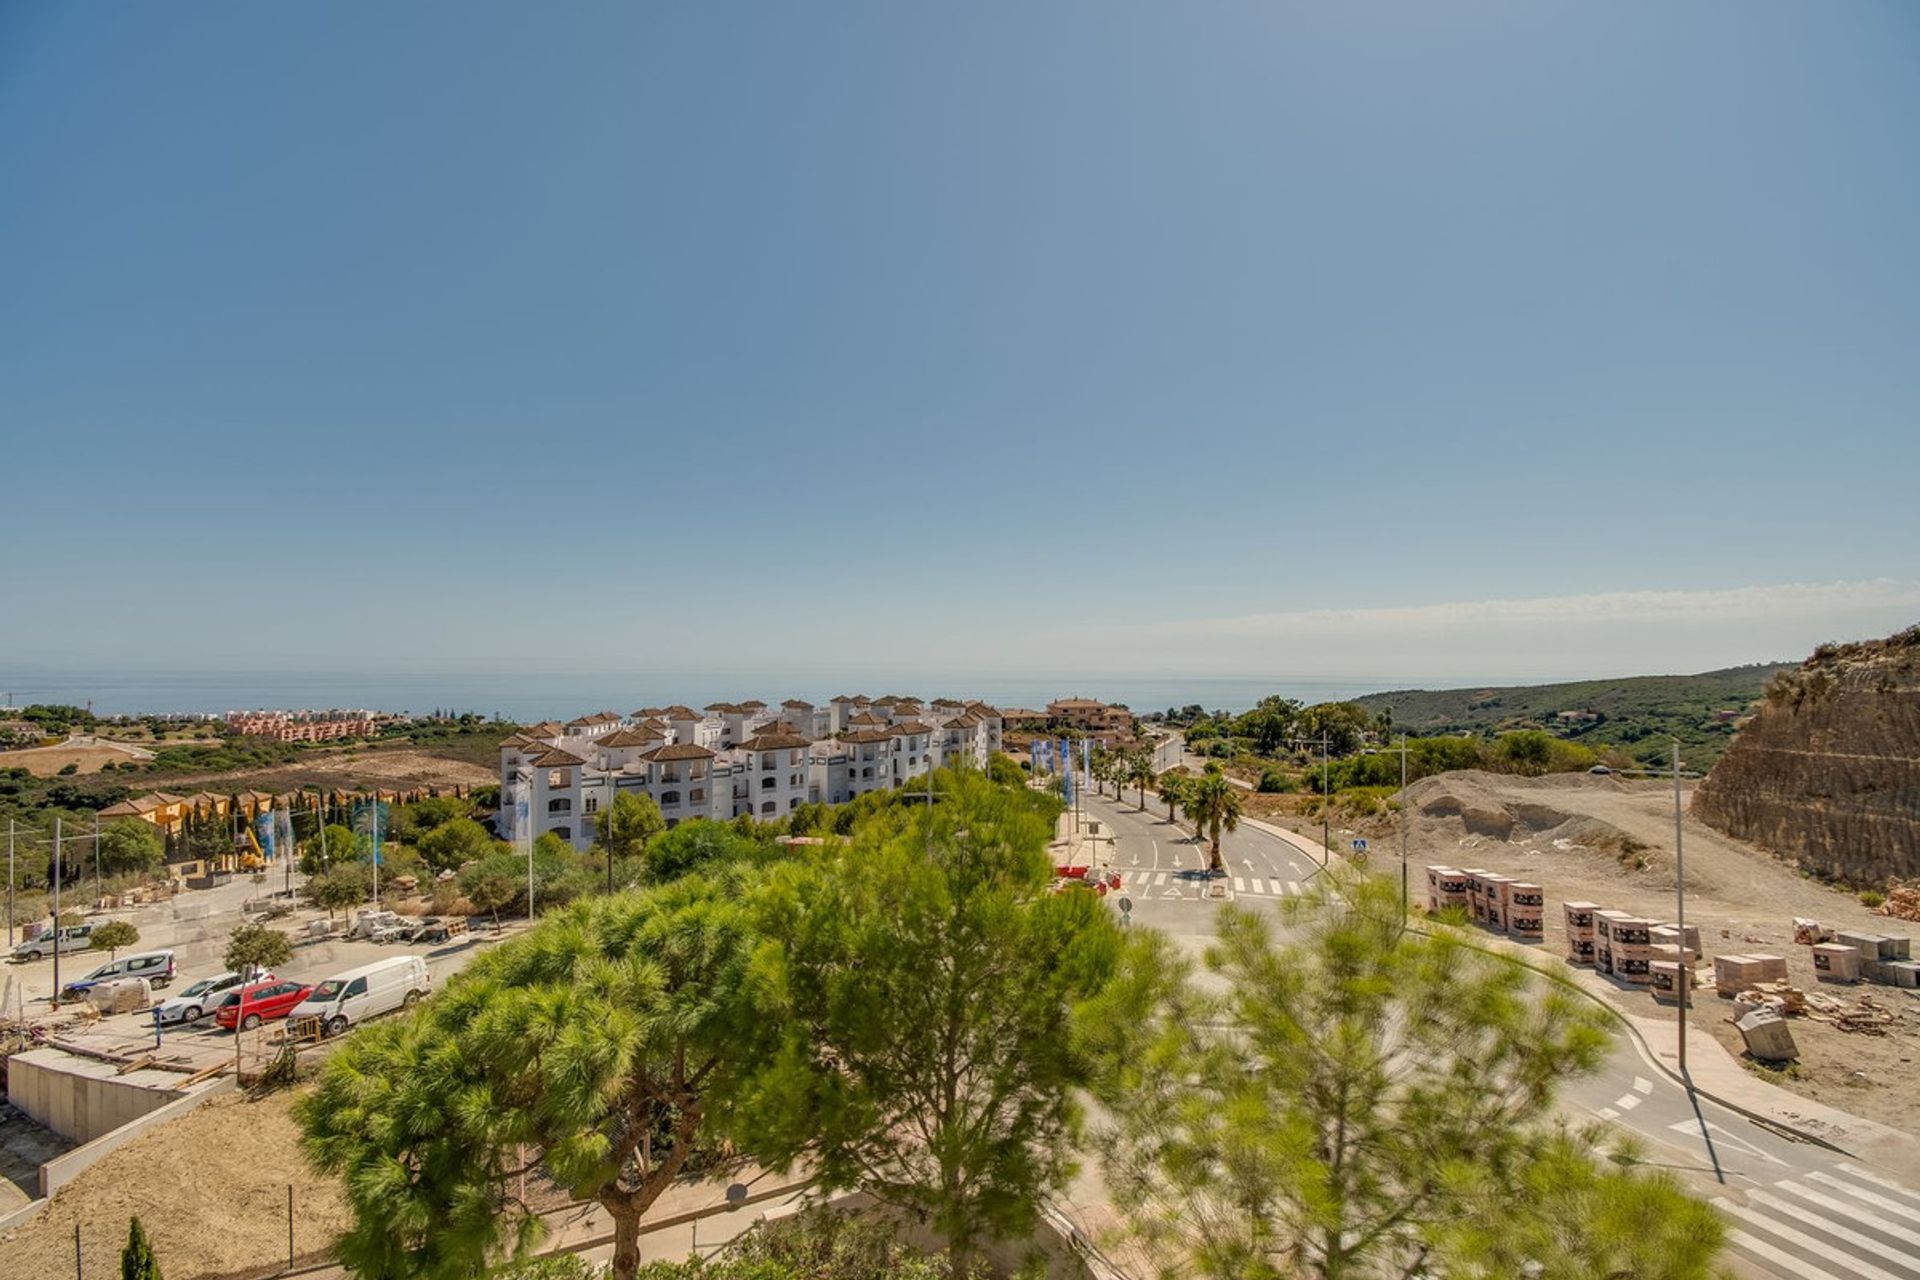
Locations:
(1439, 338)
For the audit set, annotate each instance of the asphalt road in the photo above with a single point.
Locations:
(1795, 1210)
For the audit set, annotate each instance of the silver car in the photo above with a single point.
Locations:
(199, 999)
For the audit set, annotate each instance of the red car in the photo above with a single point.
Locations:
(254, 1003)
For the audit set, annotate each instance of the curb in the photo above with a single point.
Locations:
(1645, 1050)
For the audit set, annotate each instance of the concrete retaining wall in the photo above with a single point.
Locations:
(82, 1099)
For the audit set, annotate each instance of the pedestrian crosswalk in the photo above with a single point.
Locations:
(1842, 1223)
(1138, 881)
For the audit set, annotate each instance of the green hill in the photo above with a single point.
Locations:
(1641, 714)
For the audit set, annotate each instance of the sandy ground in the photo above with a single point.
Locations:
(210, 1188)
(1610, 841)
(388, 767)
(45, 762)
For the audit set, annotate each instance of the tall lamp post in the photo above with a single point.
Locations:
(1680, 911)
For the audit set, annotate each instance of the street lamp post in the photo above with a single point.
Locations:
(1405, 905)
(1685, 978)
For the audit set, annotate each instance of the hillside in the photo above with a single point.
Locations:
(1828, 771)
(1639, 713)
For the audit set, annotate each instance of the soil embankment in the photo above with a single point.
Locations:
(1827, 772)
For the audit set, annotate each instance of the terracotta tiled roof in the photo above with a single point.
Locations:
(546, 729)
(648, 712)
(125, 809)
(853, 697)
(775, 742)
(866, 717)
(796, 702)
(682, 751)
(581, 722)
(753, 704)
(167, 797)
(722, 707)
(678, 712)
(631, 737)
(867, 735)
(910, 726)
(555, 758)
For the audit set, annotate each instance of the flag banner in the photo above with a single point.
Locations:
(1086, 756)
(283, 830)
(1066, 778)
(263, 827)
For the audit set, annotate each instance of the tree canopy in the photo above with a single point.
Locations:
(128, 844)
(932, 995)
(1371, 1102)
(254, 945)
(604, 1044)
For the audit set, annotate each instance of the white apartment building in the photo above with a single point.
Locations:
(731, 759)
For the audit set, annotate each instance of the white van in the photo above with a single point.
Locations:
(380, 987)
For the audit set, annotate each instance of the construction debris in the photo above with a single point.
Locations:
(1808, 932)
(1767, 1036)
(1903, 900)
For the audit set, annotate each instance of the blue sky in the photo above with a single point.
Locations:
(638, 335)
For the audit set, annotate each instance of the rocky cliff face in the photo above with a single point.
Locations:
(1828, 771)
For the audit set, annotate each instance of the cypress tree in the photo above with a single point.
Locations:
(136, 1260)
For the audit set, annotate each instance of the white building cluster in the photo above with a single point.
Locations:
(731, 759)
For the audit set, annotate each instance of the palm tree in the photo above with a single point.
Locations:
(1173, 789)
(1139, 767)
(1214, 806)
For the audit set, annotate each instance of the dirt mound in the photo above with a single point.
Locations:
(1472, 809)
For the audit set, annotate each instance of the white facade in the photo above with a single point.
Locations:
(731, 760)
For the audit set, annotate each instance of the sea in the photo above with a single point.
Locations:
(527, 696)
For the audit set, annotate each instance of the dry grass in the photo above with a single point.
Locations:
(210, 1188)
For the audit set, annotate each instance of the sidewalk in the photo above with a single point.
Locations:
(1715, 1074)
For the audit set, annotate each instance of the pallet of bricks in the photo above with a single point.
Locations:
(1877, 957)
(1498, 903)
(1632, 948)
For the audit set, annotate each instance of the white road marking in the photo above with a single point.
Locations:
(1293, 888)
(1627, 1101)
(1884, 1202)
(1819, 1222)
(1725, 1137)
(1259, 885)
(1885, 1226)
(1239, 886)
(1795, 1267)
(1864, 1175)
(1607, 1113)
(1642, 1085)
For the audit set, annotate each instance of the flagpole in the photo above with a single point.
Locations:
(56, 911)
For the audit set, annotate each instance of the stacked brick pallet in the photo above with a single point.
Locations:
(1877, 957)
(1736, 973)
(1498, 903)
(1580, 930)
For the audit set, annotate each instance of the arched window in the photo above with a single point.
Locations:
(768, 807)
(669, 797)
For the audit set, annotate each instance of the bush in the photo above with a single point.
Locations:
(1274, 782)
(1872, 899)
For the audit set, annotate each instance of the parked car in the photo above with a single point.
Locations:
(380, 987)
(155, 966)
(201, 997)
(76, 937)
(246, 1007)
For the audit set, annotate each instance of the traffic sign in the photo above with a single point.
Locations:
(1359, 846)
(1126, 906)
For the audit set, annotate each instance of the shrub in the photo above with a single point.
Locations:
(1872, 898)
(1274, 782)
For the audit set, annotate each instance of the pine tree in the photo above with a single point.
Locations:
(136, 1260)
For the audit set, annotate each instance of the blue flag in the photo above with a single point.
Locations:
(263, 827)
